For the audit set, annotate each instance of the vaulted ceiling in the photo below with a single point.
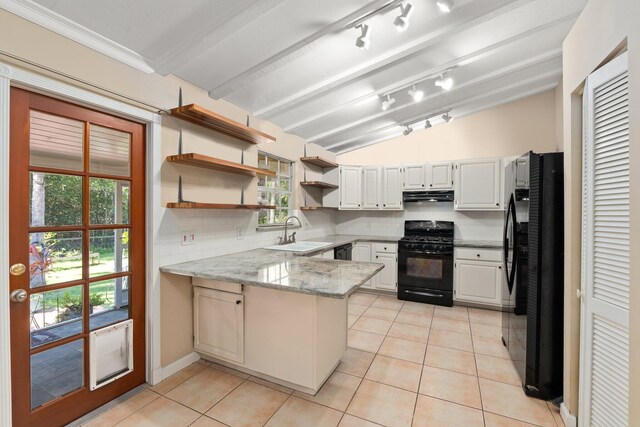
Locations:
(295, 62)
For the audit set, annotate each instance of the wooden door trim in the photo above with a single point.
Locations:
(13, 76)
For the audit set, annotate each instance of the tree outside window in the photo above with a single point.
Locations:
(275, 190)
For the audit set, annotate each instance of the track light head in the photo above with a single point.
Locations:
(427, 124)
(445, 6)
(402, 21)
(387, 103)
(446, 83)
(407, 130)
(447, 117)
(363, 42)
(416, 94)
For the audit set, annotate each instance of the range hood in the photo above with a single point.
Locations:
(427, 196)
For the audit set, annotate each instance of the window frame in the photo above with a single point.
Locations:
(272, 214)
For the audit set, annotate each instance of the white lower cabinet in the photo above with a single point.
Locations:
(362, 252)
(219, 324)
(478, 276)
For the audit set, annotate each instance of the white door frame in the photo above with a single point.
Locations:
(9, 76)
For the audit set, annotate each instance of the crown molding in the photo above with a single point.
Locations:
(65, 27)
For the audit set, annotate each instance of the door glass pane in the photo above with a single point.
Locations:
(109, 151)
(55, 257)
(108, 302)
(55, 315)
(108, 201)
(55, 199)
(55, 142)
(56, 372)
(108, 251)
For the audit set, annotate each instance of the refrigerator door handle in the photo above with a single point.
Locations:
(511, 214)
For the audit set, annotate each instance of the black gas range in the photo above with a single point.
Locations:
(425, 262)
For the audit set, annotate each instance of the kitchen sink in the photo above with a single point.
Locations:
(299, 246)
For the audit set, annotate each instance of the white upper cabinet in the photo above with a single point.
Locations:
(478, 185)
(392, 187)
(350, 187)
(371, 187)
(414, 177)
(440, 176)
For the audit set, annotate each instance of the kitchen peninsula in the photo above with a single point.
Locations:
(273, 314)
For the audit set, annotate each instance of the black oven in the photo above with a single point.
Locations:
(425, 262)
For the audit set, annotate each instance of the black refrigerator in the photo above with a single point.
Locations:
(532, 323)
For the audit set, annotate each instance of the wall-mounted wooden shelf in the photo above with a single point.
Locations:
(202, 161)
(314, 208)
(318, 184)
(196, 205)
(319, 161)
(201, 116)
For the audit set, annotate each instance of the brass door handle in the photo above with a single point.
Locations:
(17, 269)
(19, 295)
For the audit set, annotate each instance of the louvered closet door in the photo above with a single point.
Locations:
(604, 376)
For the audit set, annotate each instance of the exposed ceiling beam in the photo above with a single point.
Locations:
(416, 118)
(458, 62)
(201, 42)
(388, 58)
(289, 54)
(527, 63)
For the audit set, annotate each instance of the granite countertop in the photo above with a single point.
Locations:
(486, 244)
(342, 239)
(282, 270)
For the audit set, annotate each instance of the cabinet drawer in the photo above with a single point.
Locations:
(386, 247)
(234, 288)
(479, 254)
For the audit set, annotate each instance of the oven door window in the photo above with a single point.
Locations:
(425, 268)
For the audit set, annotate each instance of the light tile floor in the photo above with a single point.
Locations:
(408, 364)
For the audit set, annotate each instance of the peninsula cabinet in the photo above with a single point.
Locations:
(383, 253)
(478, 185)
(350, 187)
(218, 323)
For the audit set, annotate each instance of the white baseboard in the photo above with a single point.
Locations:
(569, 420)
(179, 364)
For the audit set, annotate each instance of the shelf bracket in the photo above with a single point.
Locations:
(242, 158)
(242, 195)
(180, 143)
(248, 121)
(180, 97)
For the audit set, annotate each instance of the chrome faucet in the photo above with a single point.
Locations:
(286, 239)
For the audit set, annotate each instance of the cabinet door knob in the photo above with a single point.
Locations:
(238, 302)
(423, 185)
(478, 255)
(376, 256)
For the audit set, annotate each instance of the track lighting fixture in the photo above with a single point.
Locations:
(446, 83)
(407, 130)
(445, 6)
(417, 95)
(446, 117)
(387, 103)
(427, 124)
(363, 42)
(402, 21)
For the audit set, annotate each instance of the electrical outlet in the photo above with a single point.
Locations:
(188, 238)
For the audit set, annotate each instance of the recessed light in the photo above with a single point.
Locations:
(445, 6)
(447, 117)
(402, 21)
(427, 124)
(363, 42)
(417, 95)
(446, 83)
(407, 130)
(387, 103)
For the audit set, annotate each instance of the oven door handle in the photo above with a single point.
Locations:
(426, 294)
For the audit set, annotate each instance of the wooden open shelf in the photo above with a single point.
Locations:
(318, 184)
(319, 161)
(202, 161)
(314, 208)
(201, 116)
(196, 205)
